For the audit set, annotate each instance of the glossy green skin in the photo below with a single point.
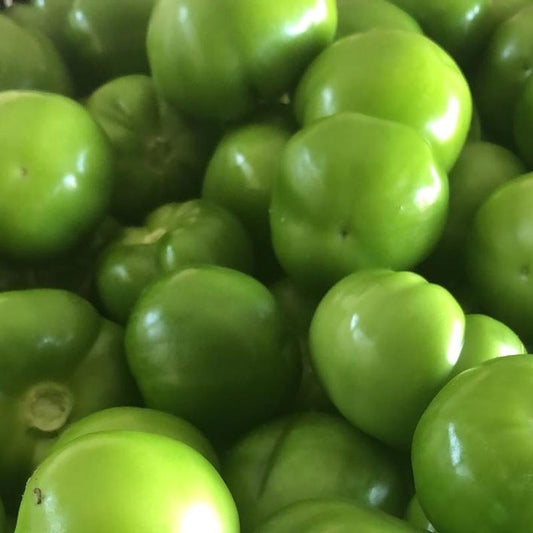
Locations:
(124, 481)
(269, 468)
(107, 39)
(473, 466)
(240, 176)
(45, 16)
(462, 27)
(257, 54)
(380, 354)
(63, 188)
(500, 255)
(30, 61)
(361, 15)
(174, 235)
(138, 419)
(486, 338)
(507, 65)
(523, 124)
(395, 75)
(218, 354)
(61, 361)
(330, 515)
(159, 157)
(338, 207)
(481, 168)
(416, 517)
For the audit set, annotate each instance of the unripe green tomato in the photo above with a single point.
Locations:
(500, 255)
(125, 481)
(472, 456)
(395, 75)
(383, 343)
(30, 61)
(138, 419)
(307, 456)
(209, 344)
(55, 174)
(361, 15)
(330, 515)
(342, 201)
(256, 54)
(523, 124)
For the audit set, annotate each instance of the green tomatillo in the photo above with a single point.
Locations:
(159, 157)
(56, 174)
(506, 66)
(462, 27)
(106, 39)
(30, 61)
(383, 343)
(500, 255)
(223, 71)
(59, 361)
(174, 236)
(347, 198)
(138, 419)
(332, 515)
(240, 177)
(486, 338)
(125, 481)
(395, 75)
(472, 456)
(208, 343)
(307, 456)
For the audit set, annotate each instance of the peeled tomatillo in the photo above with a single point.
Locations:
(55, 174)
(383, 343)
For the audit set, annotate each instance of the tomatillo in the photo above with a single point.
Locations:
(472, 456)
(307, 456)
(60, 362)
(383, 343)
(138, 419)
(159, 156)
(125, 481)
(395, 75)
(500, 255)
(222, 71)
(30, 61)
(56, 174)
(208, 343)
(330, 515)
(174, 236)
(342, 201)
